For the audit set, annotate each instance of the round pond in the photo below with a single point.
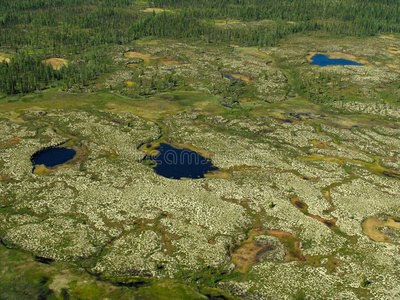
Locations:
(53, 156)
(177, 163)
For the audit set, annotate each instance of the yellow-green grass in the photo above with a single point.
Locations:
(6, 57)
(242, 77)
(373, 167)
(301, 105)
(130, 83)
(388, 36)
(55, 62)
(321, 145)
(393, 50)
(254, 51)
(150, 58)
(156, 10)
(3, 58)
(24, 276)
(397, 68)
(370, 228)
(247, 253)
(220, 22)
(168, 104)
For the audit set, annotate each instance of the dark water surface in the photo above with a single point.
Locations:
(230, 77)
(323, 60)
(177, 163)
(53, 156)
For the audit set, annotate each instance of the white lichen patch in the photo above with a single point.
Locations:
(57, 238)
(131, 255)
(359, 199)
(114, 207)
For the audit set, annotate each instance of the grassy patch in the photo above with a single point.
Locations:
(56, 63)
(371, 228)
(156, 10)
(226, 22)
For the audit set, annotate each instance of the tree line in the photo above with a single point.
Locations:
(78, 24)
(26, 73)
(79, 27)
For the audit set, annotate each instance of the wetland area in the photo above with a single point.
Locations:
(201, 168)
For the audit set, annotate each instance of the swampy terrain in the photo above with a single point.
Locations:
(184, 152)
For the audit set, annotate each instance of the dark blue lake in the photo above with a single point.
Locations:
(323, 60)
(177, 163)
(53, 156)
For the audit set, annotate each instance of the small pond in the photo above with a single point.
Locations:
(177, 163)
(230, 77)
(323, 60)
(53, 156)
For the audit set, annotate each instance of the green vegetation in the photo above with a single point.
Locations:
(28, 73)
(79, 28)
(305, 203)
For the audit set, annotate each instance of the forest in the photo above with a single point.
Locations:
(77, 27)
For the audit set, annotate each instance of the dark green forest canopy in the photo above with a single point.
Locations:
(45, 23)
(79, 27)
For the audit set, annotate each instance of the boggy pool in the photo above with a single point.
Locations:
(323, 60)
(178, 163)
(51, 157)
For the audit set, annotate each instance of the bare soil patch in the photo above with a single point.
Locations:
(14, 140)
(371, 228)
(226, 22)
(291, 243)
(56, 63)
(6, 59)
(245, 254)
(393, 50)
(389, 37)
(394, 67)
(156, 10)
(321, 145)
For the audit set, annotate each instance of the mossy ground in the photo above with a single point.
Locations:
(308, 153)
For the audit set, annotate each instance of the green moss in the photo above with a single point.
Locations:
(168, 289)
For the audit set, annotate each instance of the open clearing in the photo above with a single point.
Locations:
(6, 59)
(149, 58)
(56, 63)
(226, 22)
(371, 228)
(156, 10)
